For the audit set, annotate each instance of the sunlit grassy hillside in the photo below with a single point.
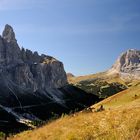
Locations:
(102, 84)
(102, 75)
(120, 120)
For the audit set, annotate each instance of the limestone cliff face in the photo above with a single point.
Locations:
(27, 69)
(127, 65)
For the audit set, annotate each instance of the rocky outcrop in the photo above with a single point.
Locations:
(70, 75)
(127, 65)
(27, 69)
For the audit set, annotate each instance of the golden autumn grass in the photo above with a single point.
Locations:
(105, 77)
(119, 121)
(102, 75)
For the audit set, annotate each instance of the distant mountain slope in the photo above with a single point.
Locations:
(119, 119)
(100, 84)
(123, 74)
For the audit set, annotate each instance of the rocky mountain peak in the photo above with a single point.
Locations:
(28, 69)
(8, 34)
(127, 64)
(33, 87)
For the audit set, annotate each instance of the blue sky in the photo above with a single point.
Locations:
(86, 35)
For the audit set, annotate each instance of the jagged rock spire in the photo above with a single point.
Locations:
(28, 69)
(8, 34)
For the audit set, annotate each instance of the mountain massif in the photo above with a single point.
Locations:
(33, 87)
(127, 65)
(26, 68)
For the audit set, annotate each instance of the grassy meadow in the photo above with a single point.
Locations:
(119, 120)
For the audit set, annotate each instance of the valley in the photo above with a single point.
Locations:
(39, 101)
